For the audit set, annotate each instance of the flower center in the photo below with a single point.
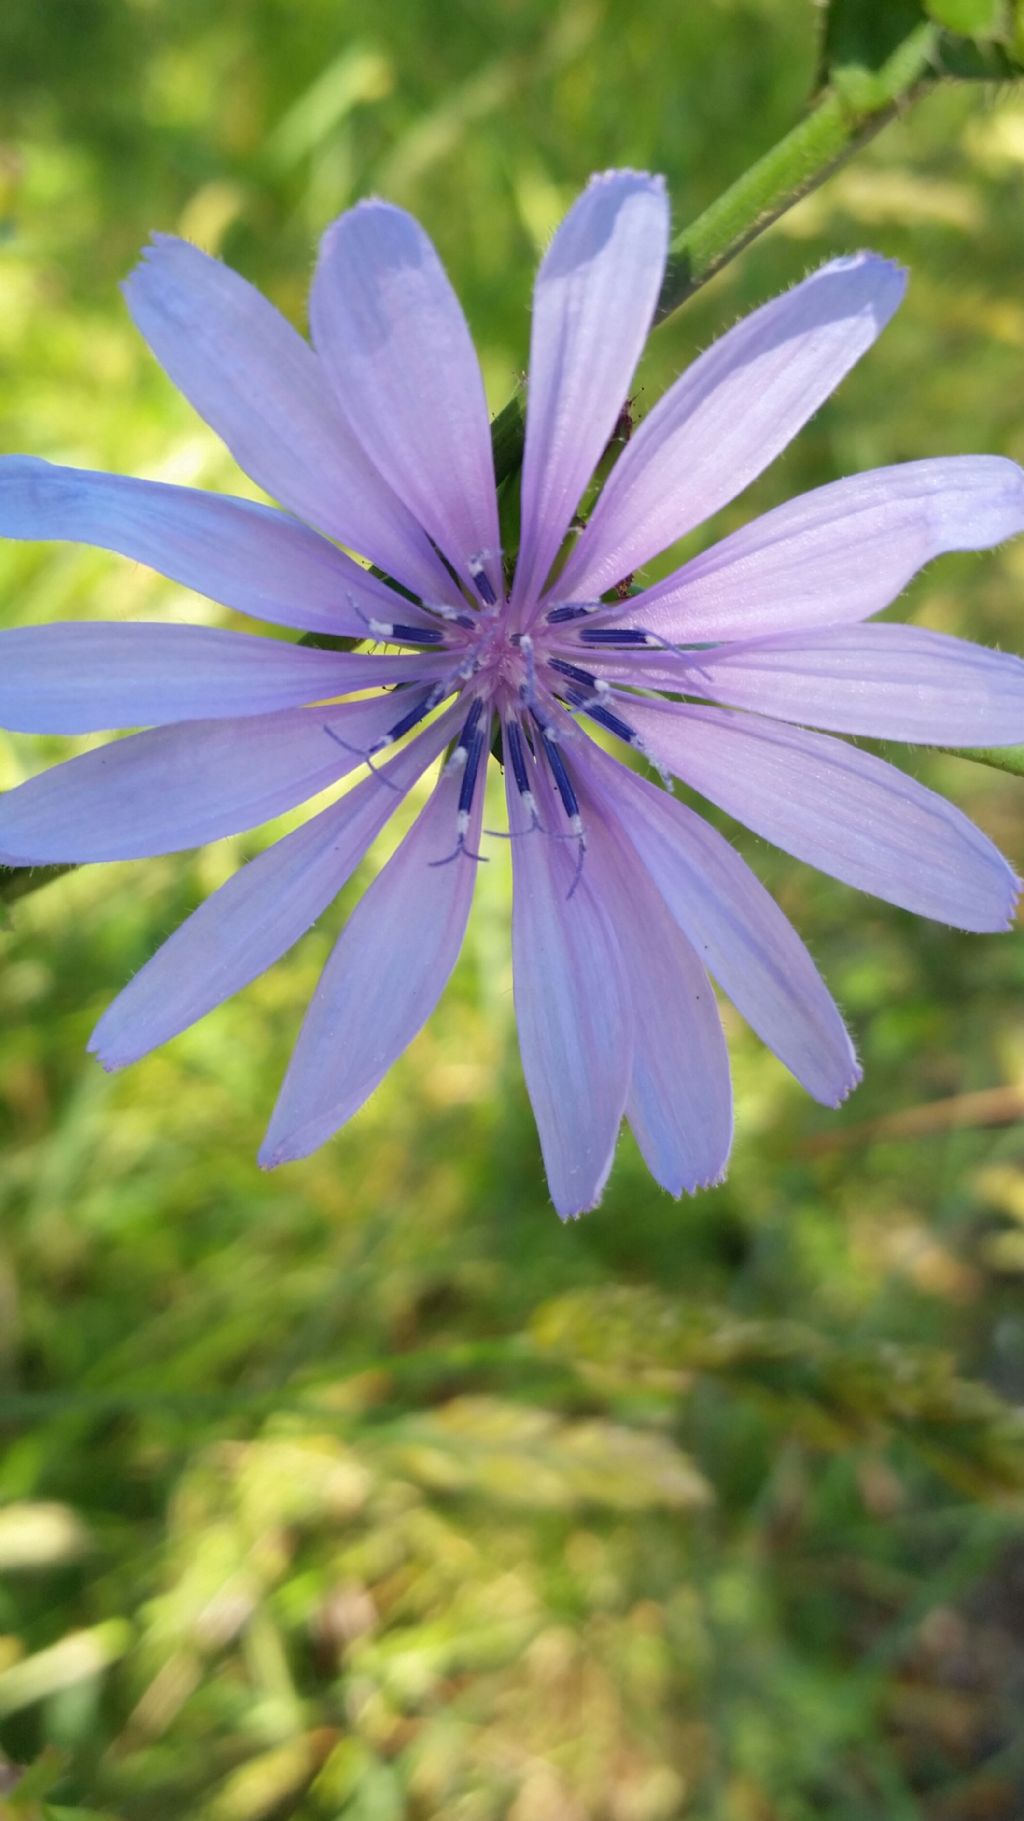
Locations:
(535, 685)
(498, 661)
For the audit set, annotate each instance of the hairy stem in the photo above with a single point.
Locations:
(1000, 758)
(17, 881)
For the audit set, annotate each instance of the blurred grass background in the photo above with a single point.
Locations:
(367, 1489)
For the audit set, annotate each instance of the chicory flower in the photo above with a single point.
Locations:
(733, 675)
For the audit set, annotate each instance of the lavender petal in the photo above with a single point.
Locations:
(383, 980)
(840, 809)
(680, 1096)
(730, 414)
(886, 682)
(177, 787)
(257, 915)
(265, 393)
(592, 307)
(734, 926)
(840, 553)
(394, 344)
(573, 1008)
(88, 677)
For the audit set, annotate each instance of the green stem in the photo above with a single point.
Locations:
(846, 114)
(1000, 758)
(841, 121)
(17, 881)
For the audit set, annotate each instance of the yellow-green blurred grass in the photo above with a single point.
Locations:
(366, 1489)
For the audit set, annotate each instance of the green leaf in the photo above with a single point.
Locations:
(329, 641)
(972, 18)
(969, 61)
(509, 515)
(79, 1656)
(507, 432)
(863, 34)
(981, 40)
(34, 1782)
(50, 1813)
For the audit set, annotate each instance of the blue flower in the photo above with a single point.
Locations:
(724, 675)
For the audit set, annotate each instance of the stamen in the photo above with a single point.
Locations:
(395, 633)
(604, 718)
(563, 784)
(512, 739)
(454, 615)
(467, 669)
(580, 857)
(528, 688)
(460, 751)
(615, 635)
(599, 689)
(398, 634)
(462, 828)
(471, 745)
(573, 610)
(512, 742)
(365, 756)
(408, 721)
(565, 669)
(481, 580)
(631, 637)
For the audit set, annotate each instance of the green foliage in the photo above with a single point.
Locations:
(365, 1490)
(970, 18)
(864, 34)
(975, 40)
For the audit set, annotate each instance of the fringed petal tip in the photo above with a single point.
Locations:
(695, 1185)
(270, 1157)
(95, 1048)
(158, 247)
(568, 1215)
(282, 1146)
(892, 278)
(160, 241)
(1000, 917)
(714, 1181)
(1012, 475)
(368, 211)
(676, 1188)
(1014, 907)
(110, 1057)
(624, 173)
(569, 1207)
(849, 1087)
(366, 206)
(292, 1147)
